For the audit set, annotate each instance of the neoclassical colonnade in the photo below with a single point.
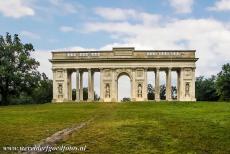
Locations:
(123, 61)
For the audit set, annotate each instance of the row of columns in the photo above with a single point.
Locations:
(181, 85)
(168, 84)
(79, 85)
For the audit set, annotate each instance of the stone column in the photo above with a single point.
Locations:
(81, 86)
(65, 85)
(168, 85)
(92, 86)
(77, 85)
(89, 85)
(178, 85)
(54, 86)
(145, 84)
(193, 85)
(69, 83)
(114, 87)
(182, 88)
(157, 84)
(101, 86)
(133, 86)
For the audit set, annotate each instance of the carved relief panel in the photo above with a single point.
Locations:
(107, 74)
(59, 74)
(188, 73)
(140, 74)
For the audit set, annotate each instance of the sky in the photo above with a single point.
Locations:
(203, 25)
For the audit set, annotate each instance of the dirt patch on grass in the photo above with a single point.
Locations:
(58, 136)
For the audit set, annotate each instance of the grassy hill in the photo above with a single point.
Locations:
(144, 127)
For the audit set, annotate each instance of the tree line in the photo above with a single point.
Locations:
(21, 82)
(215, 88)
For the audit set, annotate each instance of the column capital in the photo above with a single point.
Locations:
(55, 69)
(157, 68)
(169, 68)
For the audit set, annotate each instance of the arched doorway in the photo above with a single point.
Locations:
(124, 87)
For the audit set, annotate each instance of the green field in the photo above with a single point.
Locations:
(149, 127)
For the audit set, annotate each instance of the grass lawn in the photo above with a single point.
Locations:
(200, 127)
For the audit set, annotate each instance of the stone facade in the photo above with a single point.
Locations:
(123, 61)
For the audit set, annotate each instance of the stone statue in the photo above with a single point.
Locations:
(107, 91)
(139, 91)
(60, 88)
(187, 87)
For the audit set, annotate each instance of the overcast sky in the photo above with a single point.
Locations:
(203, 25)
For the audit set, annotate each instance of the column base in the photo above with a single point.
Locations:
(157, 100)
(168, 99)
(114, 100)
(59, 100)
(90, 100)
(101, 100)
(187, 99)
(107, 100)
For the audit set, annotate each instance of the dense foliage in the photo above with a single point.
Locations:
(19, 78)
(85, 94)
(151, 92)
(43, 93)
(206, 89)
(215, 87)
(223, 83)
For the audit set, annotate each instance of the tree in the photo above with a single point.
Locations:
(151, 95)
(43, 93)
(206, 89)
(223, 82)
(151, 92)
(126, 99)
(17, 68)
(162, 92)
(174, 92)
(85, 94)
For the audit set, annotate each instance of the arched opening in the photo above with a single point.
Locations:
(124, 87)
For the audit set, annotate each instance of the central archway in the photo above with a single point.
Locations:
(124, 91)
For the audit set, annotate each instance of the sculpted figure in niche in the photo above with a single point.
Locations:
(60, 88)
(187, 87)
(139, 90)
(107, 91)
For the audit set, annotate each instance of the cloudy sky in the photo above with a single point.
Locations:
(203, 25)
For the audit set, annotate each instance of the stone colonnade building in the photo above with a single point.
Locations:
(123, 61)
